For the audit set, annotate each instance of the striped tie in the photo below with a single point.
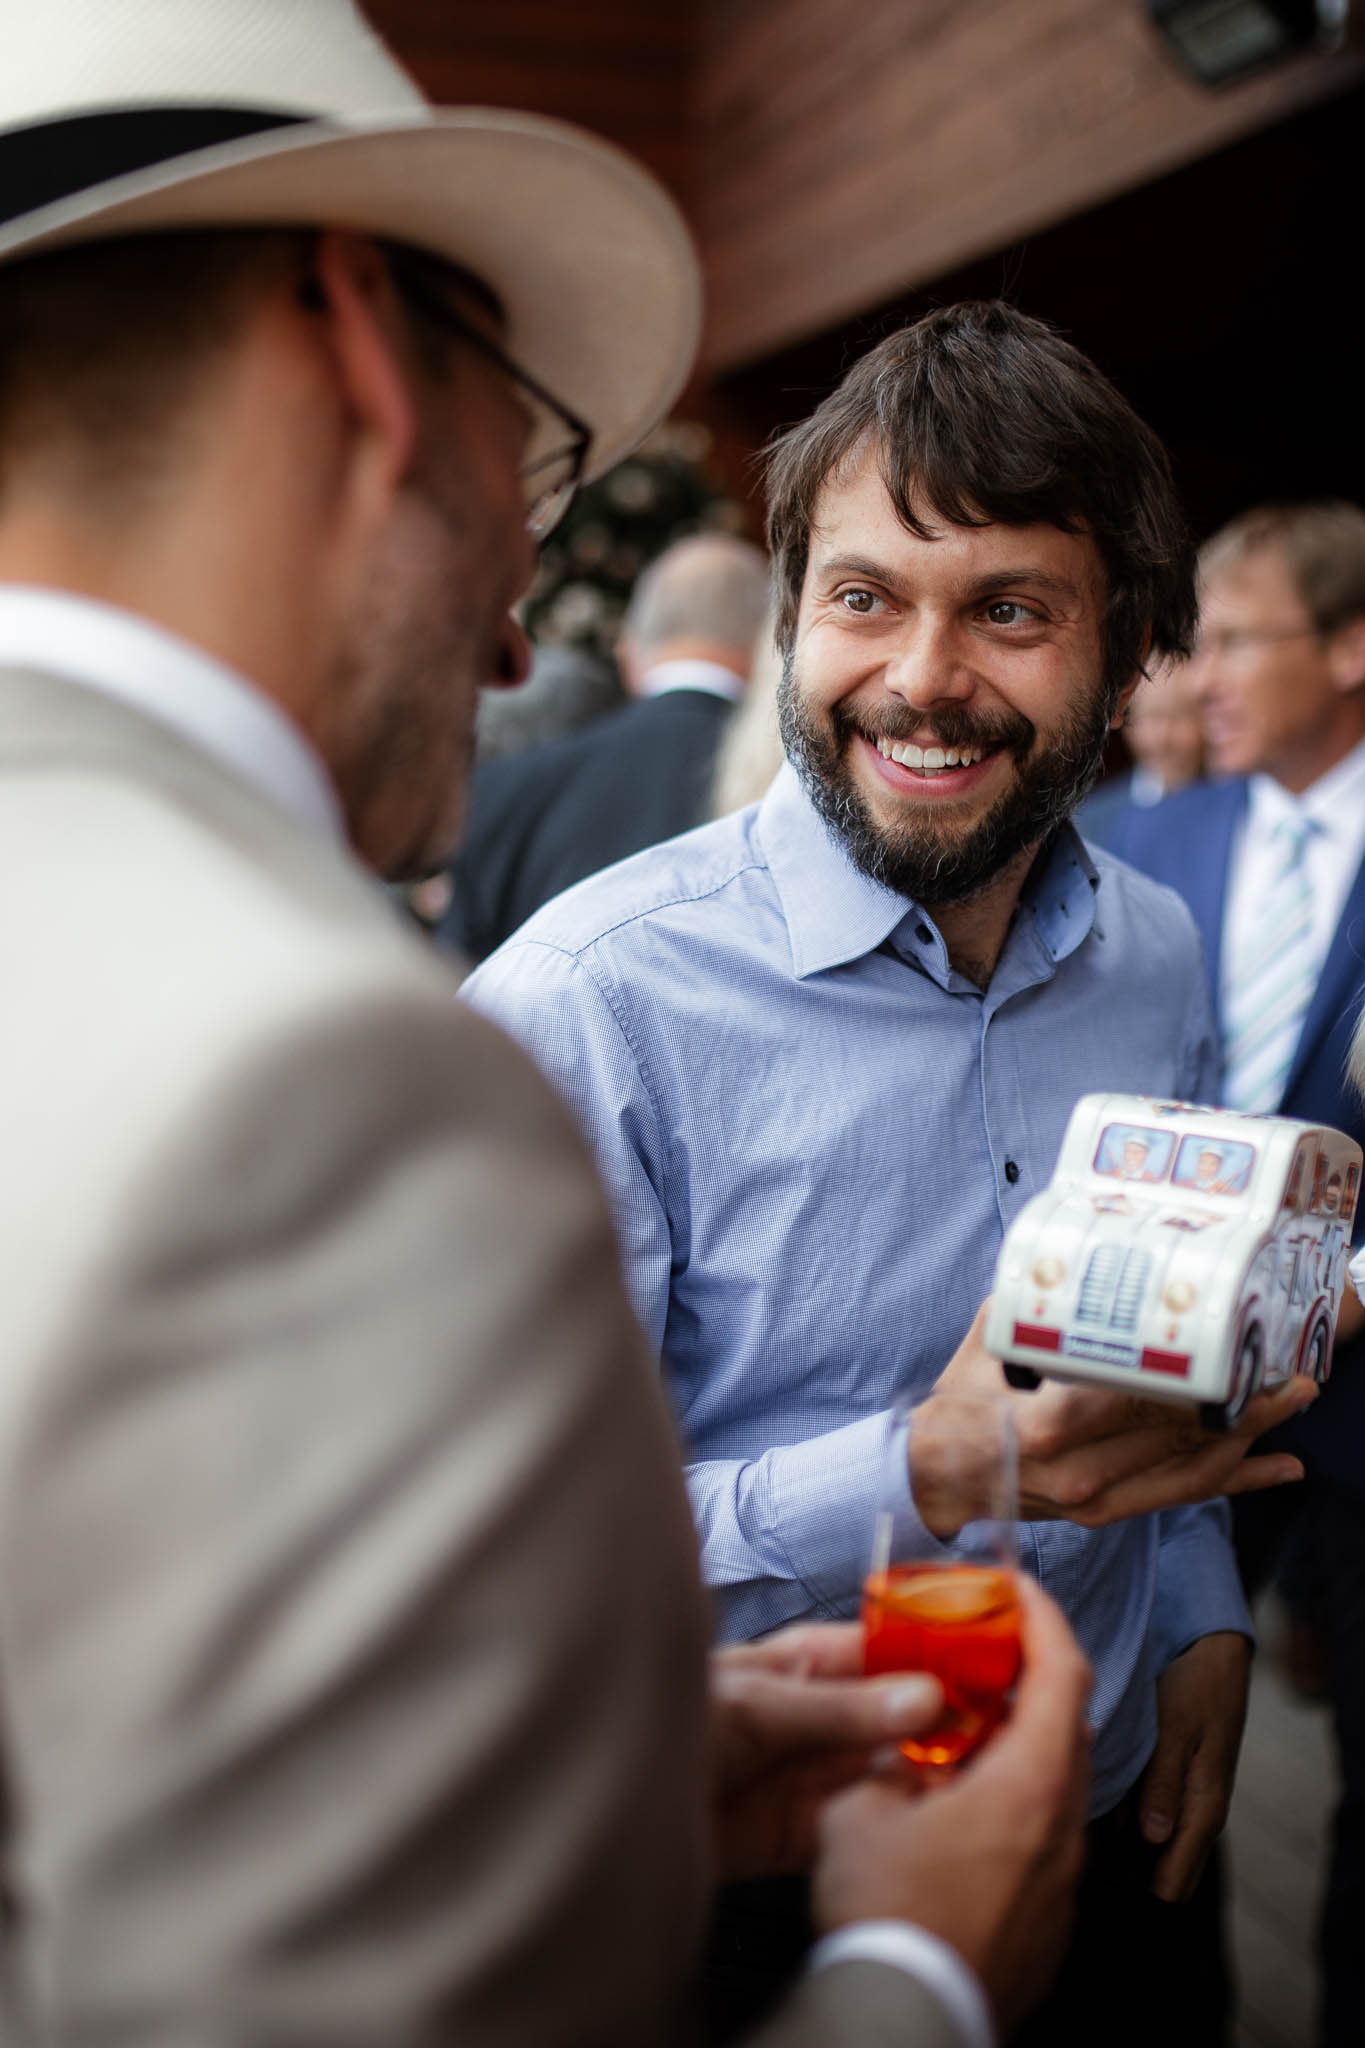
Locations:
(1270, 980)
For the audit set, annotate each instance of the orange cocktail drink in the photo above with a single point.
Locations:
(958, 1621)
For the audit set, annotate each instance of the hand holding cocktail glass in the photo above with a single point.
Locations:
(942, 1592)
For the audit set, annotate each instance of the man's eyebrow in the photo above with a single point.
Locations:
(1027, 577)
(857, 565)
(1024, 576)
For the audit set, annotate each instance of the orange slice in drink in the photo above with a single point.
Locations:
(948, 1594)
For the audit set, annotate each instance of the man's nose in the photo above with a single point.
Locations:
(1204, 678)
(514, 656)
(1203, 671)
(928, 665)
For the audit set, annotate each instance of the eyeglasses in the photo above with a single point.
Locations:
(1235, 640)
(560, 440)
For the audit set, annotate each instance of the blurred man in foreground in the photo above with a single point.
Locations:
(351, 1644)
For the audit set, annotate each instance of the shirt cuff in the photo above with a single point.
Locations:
(939, 1968)
(1198, 1590)
(820, 1499)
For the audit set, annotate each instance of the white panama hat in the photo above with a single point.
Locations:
(124, 116)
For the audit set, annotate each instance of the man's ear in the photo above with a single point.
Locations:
(1126, 693)
(1346, 656)
(1124, 700)
(353, 298)
(630, 663)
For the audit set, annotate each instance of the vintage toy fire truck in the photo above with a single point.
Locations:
(1182, 1253)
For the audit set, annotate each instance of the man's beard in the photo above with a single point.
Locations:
(923, 857)
(404, 687)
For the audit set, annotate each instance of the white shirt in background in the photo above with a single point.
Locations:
(1335, 805)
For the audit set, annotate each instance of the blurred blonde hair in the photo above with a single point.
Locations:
(1355, 1058)
(750, 752)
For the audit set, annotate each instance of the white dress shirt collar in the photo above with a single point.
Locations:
(155, 672)
(691, 675)
(1145, 787)
(1335, 803)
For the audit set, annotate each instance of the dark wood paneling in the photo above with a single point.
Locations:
(1220, 299)
(615, 67)
(834, 156)
(848, 153)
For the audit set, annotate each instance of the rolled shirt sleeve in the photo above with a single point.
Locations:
(1198, 1591)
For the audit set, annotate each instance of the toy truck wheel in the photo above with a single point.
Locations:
(1246, 1376)
(1317, 1352)
(1023, 1377)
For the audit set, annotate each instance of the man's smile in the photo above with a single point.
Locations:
(929, 760)
(907, 767)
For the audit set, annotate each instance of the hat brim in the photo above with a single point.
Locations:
(590, 258)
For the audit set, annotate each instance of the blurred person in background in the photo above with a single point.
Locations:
(1163, 735)
(568, 687)
(351, 1642)
(542, 821)
(1271, 860)
(750, 752)
(826, 1048)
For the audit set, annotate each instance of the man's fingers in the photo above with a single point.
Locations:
(1265, 1411)
(818, 1649)
(1253, 1475)
(1217, 1468)
(1054, 1687)
(1073, 1455)
(789, 1715)
(1179, 1870)
(1132, 1477)
(1061, 1417)
(1082, 1474)
(1163, 1790)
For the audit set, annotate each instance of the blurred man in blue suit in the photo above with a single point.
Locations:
(1164, 735)
(1271, 861)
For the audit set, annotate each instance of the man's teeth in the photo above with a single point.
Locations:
(928, 760)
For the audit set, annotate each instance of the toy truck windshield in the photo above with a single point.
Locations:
(1202, 1166)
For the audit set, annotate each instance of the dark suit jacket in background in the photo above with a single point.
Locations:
(1186, 841)
(1098, 815)
(541, 820)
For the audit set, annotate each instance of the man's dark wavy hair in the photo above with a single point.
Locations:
(985, 416)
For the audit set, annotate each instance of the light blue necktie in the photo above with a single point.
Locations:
(1271, 976)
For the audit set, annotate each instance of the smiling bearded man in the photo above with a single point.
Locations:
(921, 855)
(826, 1048)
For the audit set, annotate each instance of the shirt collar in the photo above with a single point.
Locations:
(1341, 791)
(164, 677)
(835, 913)
(1337, 799)
(691, 675)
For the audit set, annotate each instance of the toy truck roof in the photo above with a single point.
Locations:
(1275, 1140)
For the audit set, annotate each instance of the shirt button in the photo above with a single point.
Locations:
(1011, 1171)
(923, 934)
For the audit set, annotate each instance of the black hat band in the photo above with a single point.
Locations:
(56, 159)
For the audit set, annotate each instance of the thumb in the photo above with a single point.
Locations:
(1162, 1788)
(852, 1713)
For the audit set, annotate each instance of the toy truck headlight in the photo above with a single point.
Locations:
(1049, 1273)
(1179, 1296)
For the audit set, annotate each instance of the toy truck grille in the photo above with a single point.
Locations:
(1112, 1286)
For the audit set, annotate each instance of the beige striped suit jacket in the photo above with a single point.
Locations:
(349, 1623)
